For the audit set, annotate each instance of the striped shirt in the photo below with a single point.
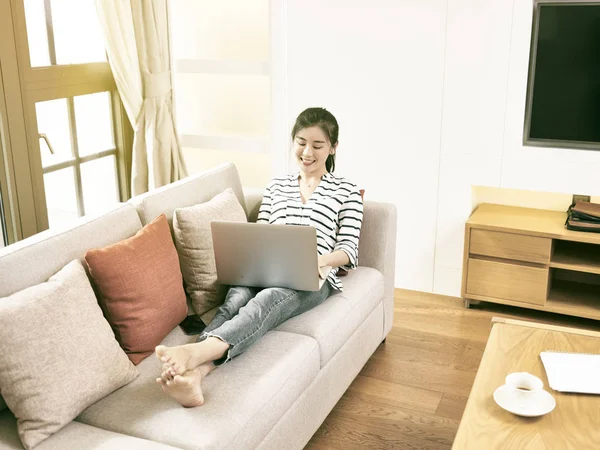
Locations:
(335, 209)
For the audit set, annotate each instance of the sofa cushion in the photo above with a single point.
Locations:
(193, 239)
(296, 427)
(140, 287)
(187, 192)
(58, 353)
(73, 436)
(333, 321)
(251, 392)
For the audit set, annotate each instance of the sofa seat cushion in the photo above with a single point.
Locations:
(244, 398)
(74, 435)
(333, 322)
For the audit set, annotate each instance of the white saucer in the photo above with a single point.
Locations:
(524, 403)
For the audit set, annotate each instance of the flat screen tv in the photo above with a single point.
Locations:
(563, 95)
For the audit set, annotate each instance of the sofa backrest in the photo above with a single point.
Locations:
(35, 259)
(188, 192)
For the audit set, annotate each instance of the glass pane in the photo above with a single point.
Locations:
(61, 197)
(53, 121)
(77, 33)
(100, 187)
(37, 33)
(93, 116)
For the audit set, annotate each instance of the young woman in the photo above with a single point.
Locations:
(313, 196)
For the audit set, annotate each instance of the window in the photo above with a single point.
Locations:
(78, 154)
(74, 125)
(63, 32)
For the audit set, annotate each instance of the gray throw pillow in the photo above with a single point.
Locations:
(59, 355)
(193, 240)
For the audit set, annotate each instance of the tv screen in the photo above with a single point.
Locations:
(563, 96)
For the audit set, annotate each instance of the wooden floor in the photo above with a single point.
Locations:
(412, 392)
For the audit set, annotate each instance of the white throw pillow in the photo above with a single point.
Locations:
(59, 355)
(193, 240)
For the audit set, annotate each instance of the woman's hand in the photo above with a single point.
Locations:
(323, 272)
(329, 260)
(336, 259)
(323, 268)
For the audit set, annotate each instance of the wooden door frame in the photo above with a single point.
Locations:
(16, 176)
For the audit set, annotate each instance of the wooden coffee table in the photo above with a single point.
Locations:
(515, 346)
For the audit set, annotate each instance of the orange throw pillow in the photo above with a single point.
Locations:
(140, 288)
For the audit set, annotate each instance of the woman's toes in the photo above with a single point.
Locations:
(160, 351)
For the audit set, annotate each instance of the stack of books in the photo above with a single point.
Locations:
(584, 216)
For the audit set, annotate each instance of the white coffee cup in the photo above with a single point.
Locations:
(524, 382)
(524, 395)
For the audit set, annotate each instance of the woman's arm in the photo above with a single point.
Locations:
(345, 254)
(350, 223)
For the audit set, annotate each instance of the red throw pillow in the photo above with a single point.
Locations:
(140, 288)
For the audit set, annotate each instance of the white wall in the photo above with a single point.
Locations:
(360, 60)
(430, 96)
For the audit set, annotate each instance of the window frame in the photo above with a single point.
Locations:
(34, 84)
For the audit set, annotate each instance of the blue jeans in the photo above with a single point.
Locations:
(248, 313)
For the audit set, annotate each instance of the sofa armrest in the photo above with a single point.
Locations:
(377, 249)
(253, 198)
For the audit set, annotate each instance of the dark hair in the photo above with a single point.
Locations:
(319, 117)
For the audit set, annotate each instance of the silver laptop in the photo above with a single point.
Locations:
(263, 255)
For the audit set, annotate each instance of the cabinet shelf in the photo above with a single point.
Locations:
(576, 256)
(576, 299)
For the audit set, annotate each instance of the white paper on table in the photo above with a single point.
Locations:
(572, 372)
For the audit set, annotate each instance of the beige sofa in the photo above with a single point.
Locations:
(275, 395)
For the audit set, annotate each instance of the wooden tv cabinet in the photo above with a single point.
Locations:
(526, 257)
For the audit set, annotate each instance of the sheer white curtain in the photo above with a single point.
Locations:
(137, 43)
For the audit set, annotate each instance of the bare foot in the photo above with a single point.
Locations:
(180, 358)
(186, 388)
(167, 373)
(187, 357)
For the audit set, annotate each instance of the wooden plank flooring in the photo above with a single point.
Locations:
(412, 392)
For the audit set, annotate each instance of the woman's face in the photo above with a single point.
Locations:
(311, 149)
